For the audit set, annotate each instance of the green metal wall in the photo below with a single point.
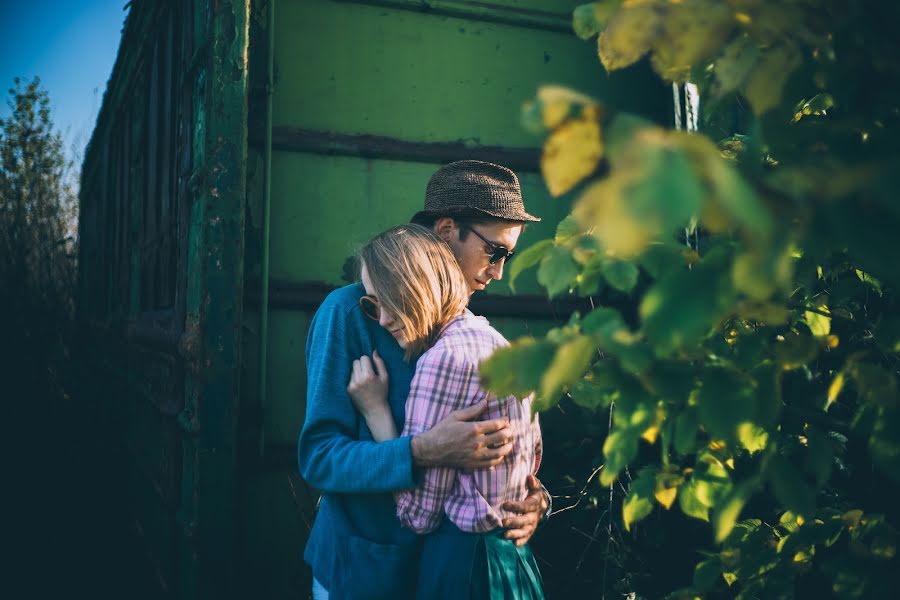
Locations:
(370, 98)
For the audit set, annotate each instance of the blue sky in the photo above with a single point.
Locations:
(72, 45)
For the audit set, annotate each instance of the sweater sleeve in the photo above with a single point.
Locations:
(330, 454)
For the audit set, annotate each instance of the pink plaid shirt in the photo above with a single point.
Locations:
(447, 379)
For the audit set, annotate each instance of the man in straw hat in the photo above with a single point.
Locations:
(357, 548)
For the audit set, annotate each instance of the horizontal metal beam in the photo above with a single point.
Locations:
(482, 11)
(308, 296)
(296, 139)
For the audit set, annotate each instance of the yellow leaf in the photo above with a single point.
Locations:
(558, 102)
(666, 496)
(765, 83)
(650, 434)
(630, 33)
(571, 153)
(819, 324)
(603, 210)
(834, 390)
(692, 30)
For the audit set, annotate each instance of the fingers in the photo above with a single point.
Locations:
(365, 367)
(497, 439)
(519, 536)
(469, 413)
(490, 457)
(519, 529)
(534, 484)
(488, 427)
(379, 366)
(523, 507)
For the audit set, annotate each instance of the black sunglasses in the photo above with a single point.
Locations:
(370, 307)
(497, 252)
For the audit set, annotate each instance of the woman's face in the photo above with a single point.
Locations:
(385, 318)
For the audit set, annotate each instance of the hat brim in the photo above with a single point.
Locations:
(468, 211)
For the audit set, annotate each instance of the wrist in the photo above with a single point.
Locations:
(420, 449)
(548, 500)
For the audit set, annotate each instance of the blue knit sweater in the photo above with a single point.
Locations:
(357, 548)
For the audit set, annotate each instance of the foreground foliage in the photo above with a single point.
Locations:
(756, 387)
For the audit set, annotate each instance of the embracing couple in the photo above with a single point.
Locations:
(445, 507)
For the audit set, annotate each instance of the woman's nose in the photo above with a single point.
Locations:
(385, 318)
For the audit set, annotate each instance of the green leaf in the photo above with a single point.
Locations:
(734, 65)
(789, 487)
(572, 359)
(819, 455)
(690, 504)
(603, 321)
(819, 324)
(725, 401)
(669, 194)
(558, 271)
(727, 512)
(681, 308)
(659, 259)
(566, 230)
(707, 573)
(686, 427)
(620, 448)
(517, 369)
(620, 274)
(752, 437)
(795, 351)
(589, 19)
(764, 85)
(589, 395)
(884, 443)
(639, 501)
(527, 258)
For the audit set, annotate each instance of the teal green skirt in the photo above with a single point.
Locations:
(456, 565)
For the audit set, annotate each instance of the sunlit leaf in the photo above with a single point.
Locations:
(666, 488)
(589, 395)
(690, 504)
(819, 324)
(589, 19)
(630, 33)
(752, 437)
(571, 153)
(557, 271)
(681, 308)
(620, 274)
(526, 259)
(795, 350)
(516, 369)
(639, 502)
(692, 30)
(834, 390)
(620, 448)
(603, 208)
(569, 364)
(727, 512)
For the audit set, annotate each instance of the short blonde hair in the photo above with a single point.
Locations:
(416, 277)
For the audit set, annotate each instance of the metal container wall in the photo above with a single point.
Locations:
(370, 98)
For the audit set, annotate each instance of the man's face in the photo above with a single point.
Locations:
(473, 253)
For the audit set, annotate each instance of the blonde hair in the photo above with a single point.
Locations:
(415, 277)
